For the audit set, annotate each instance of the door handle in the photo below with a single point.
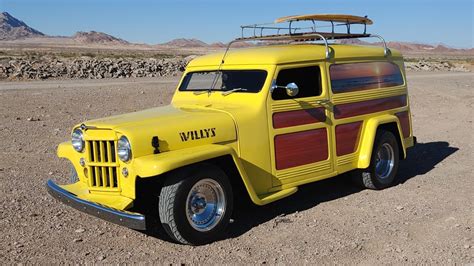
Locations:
(322, 102)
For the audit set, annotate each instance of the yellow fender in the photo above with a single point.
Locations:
(368, 138)
(156, 164)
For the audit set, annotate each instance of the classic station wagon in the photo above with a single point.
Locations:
(251, 123)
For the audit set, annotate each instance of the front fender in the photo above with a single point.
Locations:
(368, 138)
(156, 164)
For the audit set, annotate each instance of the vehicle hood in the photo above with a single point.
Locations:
(176, 127)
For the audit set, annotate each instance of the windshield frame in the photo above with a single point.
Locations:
(186, 79)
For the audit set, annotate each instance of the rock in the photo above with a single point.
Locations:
(80, 230)
(47, 68)
(399, 208)
(101, 258)
(77, 240)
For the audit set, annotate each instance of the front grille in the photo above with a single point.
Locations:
(102, 164)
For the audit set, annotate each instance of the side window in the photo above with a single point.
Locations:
(308, 80)
(364, 76)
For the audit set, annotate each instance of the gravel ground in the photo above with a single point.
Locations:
(427, 218)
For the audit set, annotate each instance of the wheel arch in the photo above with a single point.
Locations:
(157, 166)
(385, 122)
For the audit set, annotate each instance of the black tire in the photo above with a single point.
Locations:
(173, 208)
(370, 177)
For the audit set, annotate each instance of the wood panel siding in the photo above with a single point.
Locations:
(370, 106)
(300, 148)
(298, 117)
(404, 123)
(347, 136)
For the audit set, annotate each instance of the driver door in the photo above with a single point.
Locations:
(299, 126)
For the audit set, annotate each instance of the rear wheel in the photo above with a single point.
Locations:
(196, 204)
(383, 164)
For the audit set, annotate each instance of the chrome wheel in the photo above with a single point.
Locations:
(205, 204)
(384, 161)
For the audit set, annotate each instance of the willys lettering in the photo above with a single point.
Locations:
(198, 134)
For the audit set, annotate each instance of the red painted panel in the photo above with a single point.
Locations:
(405, 123)
(347, 136)
(300, 148)
(298, 117)
(367, 107)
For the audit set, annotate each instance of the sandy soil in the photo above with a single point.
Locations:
(428, 217)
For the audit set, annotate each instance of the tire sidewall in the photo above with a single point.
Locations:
(384, 137)
(185, 229)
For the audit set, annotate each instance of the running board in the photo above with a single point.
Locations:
(270, 197)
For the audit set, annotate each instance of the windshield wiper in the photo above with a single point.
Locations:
(225, 93)
(199, 92)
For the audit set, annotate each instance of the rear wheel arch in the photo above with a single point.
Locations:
(372, 127)
(393, 127)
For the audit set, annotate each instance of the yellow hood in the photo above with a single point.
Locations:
(175, 127)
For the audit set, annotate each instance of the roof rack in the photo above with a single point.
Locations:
(278, 31)
(305, 34)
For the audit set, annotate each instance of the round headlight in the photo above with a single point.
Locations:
(124, 150)
(77, 140)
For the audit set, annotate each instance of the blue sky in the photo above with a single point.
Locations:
(144, 21)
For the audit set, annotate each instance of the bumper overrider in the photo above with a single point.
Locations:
(124, 218)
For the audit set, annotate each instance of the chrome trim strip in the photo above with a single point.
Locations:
(124, 218)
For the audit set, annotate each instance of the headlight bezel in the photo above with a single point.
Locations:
(124, 149)
(77, 140)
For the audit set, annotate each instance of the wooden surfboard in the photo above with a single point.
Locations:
(327, 17)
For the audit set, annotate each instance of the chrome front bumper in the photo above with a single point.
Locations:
(124, 218)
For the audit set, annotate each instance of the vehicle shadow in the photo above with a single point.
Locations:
(421, 159)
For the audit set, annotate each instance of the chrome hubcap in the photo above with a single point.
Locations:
(205, 205)
(384, 161)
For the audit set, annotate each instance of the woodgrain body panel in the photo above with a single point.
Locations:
(300, 148)
(404, 123)
(367, 107)
(347, 136)
(298, 117)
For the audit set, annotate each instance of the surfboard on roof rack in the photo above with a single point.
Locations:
(327, 17)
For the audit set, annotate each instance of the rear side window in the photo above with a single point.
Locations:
(364, 76)
(308, 80)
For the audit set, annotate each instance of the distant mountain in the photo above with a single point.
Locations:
(218, 45)
(14, 29)
(94, 37)
(182, 42)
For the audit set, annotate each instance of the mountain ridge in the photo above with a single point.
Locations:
(12, 29)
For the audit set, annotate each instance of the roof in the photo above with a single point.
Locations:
(281, 54)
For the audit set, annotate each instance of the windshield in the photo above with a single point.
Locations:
(225, 80)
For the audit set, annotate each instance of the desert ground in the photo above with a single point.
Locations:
(426, 218)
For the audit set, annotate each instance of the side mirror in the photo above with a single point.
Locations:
(290, 88)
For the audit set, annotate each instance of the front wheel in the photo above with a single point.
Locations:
(196, 204)
(383, 164)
